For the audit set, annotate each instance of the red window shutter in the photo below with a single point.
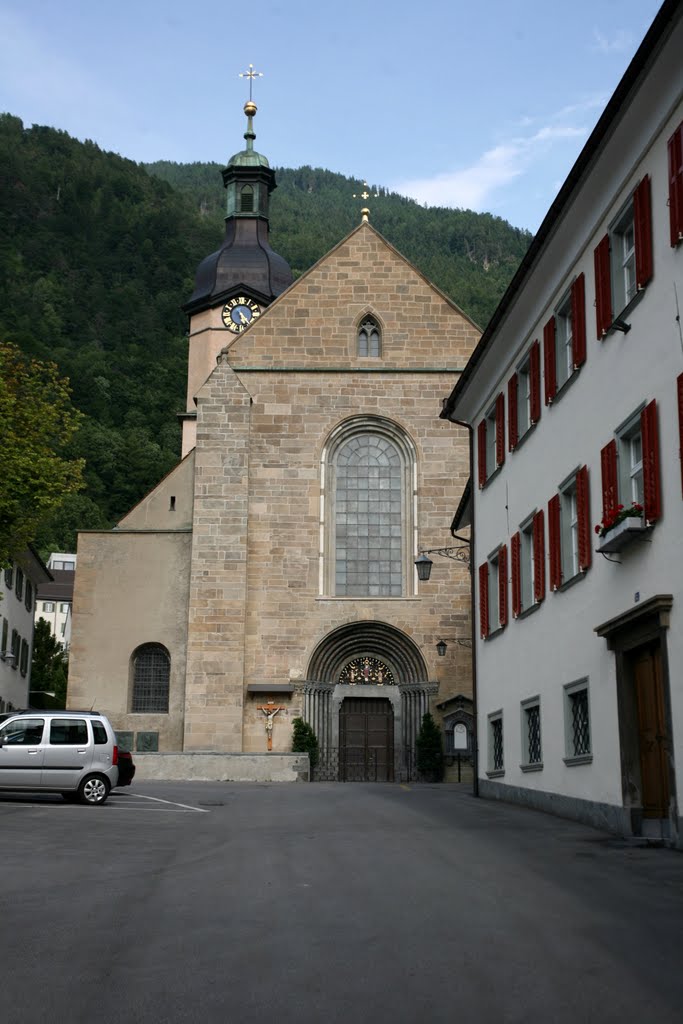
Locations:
(651, 484)
(610, 487)
(503, 585)
(539, 556)
(579, 321)
(500, 429)
(675, 149)
(603, 288)
(642, 219)
(680, 422)
(484, 600)
(554, 542)
(481, 452)
(513, 427)
(583, 515)
(515, 544)
(549, 361)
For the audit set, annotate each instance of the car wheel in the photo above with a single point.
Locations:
(94, 789)
(71, 796)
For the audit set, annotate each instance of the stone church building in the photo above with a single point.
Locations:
(271, 574)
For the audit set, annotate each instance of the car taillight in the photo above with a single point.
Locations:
(115, 755)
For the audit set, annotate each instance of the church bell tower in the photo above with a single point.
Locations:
(237, 282)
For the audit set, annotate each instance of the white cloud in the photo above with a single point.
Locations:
(473, 186)
(619, 43)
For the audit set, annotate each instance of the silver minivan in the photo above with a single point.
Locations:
(69, 752)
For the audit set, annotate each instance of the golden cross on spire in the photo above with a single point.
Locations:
(365, 194)
(251, 75)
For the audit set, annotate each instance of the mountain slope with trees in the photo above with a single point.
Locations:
(97, 253)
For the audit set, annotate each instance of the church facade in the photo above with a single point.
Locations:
(271, 574)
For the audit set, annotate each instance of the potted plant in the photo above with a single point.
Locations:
(619, 527)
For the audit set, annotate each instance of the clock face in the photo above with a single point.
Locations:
(239, 313)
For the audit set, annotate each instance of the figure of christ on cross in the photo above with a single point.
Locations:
(270, 711)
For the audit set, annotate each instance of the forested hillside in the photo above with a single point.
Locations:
(97, 253)
(470, 256)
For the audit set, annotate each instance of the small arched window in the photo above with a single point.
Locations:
(151, 675)
(247, 199)
(369, 337)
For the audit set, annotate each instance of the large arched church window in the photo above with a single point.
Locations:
(151, 676)
(369, 337)
(368, 493)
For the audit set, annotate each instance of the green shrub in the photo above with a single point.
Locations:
(429, 750)
(305, 741)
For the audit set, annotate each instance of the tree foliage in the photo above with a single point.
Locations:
(97, 254)
(429, 750)
(37, 422)
(49, 666)
(305, 741)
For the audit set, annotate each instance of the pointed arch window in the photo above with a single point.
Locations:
(151, 677)
(246, 199)
(367, 502)
(369, 337)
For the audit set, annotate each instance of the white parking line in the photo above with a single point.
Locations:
(173, 803)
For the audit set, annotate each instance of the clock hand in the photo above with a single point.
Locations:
(243, 317)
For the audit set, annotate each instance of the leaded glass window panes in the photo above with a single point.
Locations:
(151, 674)
(369, 518)
(369, 340)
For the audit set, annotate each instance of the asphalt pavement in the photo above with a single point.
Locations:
(246, 904)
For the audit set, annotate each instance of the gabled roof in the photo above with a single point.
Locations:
(668, 15)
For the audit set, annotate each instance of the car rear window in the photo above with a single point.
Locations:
(99, 732)
(68, 731)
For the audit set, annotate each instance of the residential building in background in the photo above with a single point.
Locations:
(575, 398)
(18, 586)
(55, 598)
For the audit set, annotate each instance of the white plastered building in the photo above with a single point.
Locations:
(574, 397)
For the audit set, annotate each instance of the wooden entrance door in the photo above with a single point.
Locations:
(366, 740)
(652, 731)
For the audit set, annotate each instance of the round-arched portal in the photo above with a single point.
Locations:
(365, 693)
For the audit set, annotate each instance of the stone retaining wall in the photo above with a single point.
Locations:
(207, 767)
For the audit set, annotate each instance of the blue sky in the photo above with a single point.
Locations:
(481, 105)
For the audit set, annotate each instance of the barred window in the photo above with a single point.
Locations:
(531, 715)
(577, 721)
(151, 675)
(496, 741)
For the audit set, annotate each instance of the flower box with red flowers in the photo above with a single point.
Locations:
(620, 527)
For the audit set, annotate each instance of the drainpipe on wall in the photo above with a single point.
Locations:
(475, 747)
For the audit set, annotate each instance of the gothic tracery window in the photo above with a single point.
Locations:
(369, 337)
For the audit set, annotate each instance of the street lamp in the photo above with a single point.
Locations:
(423, 564)
(442, 646)
(8, 657)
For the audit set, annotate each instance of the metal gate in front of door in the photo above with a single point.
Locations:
(366, 743)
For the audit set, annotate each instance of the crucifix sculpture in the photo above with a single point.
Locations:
(270, 711)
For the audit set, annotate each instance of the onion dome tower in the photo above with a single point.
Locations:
(245, 268)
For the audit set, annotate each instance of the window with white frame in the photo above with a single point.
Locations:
(569, 529)
(526, 563)
(48, 606)
(623, 244)
(577, 721)
(491, 433)
(523, 397)
(630, 461)
(496, 761)
(564, 351)
(64, 607)
(532, 751)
